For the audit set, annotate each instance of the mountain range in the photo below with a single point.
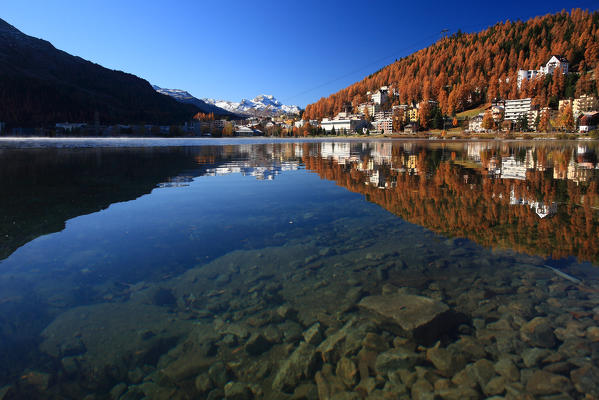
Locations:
(263, 105)
(185, 97)
(41, 85)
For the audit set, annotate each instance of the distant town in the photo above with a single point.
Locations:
(377, 116)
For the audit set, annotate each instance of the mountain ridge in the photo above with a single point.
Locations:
(43, 85)
(183, 96)
(261, 105)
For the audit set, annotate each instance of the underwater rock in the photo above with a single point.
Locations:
(238, 391)
(203, 384)
(418, 317)
(533, 356)
(300, 365)
(481, 371)
(313, 335)
(347, 371)
(586, 380)
(444, 360)
(219, 374)
(397, 359)
(543, 383)
(506, 368)
(257, 344)
(539, 333)
(305, 391)
(118, 390)
(40, 380)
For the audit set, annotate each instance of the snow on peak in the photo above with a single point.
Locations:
(262, 104)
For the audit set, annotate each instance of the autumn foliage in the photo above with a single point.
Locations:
(465, 70)
(451, 199)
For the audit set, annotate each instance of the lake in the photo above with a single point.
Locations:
(284, 269)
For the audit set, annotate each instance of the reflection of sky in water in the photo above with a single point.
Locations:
(175, 227)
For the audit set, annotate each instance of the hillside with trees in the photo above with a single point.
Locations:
(467, 69)
(43, 85)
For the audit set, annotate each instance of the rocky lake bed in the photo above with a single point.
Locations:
(376, 321)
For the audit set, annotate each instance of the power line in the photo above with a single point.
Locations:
(444, 33)
(376, 61)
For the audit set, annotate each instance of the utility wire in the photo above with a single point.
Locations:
(442, 33)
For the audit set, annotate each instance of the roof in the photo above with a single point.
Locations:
(559, 57)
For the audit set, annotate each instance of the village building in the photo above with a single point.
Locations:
(584, 104)
(555, 63)
(344, 122)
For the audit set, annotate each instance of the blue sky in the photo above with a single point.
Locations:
(297, 51)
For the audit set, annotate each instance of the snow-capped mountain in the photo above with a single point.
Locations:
(185, 97)
(260, 105)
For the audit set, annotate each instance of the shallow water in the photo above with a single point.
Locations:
(316, 269)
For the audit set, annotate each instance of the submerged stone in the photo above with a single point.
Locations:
(300, 365)
(544, 383)
(421, 318)
(586, 380)
(396, 359)
(238, 391)
(257, 344)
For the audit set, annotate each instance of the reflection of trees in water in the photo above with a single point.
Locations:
(450, 198)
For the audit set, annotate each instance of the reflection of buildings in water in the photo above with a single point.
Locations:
(580, 172)
(411, 163)
(176, 181)
(540, 208)
(512, 169)
(473, 150)
(338, 151)
(494, 168)
(381, 153)
(247, 169)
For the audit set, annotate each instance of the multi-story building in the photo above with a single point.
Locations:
(379, 96)
(555, 63)
(384, 125)
(382, 115)
(344, 122)
(583, 104)
(412, 114)
(476, 123)
(515, 109)
(370, 108)
(525, 75)
(564, 103)
(498, 112)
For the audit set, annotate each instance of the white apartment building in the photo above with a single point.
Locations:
(584, 104)
(379, 96)
(371, 108)
(525, 75)
(343, 123)
(514, 109)
(555, 63)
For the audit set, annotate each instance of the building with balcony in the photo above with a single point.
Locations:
(584, 104)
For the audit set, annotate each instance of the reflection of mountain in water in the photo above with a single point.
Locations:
(539, 200)
(44, 188)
